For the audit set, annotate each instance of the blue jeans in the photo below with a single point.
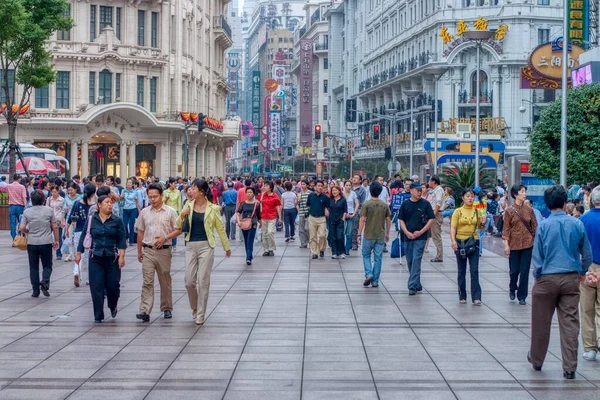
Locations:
(375, 246)
(249, 242)
(481, 233)
(15, 213)
(414, 255)
(489, 222)
(60, 242)
(289, 220)
(129, 216)
(348, 233)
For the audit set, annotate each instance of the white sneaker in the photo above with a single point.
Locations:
(590, 355)
(343, 256)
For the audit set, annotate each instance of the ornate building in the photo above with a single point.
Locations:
(125, 72)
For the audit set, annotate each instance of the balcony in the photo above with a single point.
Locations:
(466, 100)
(321, 47)
(222, 31)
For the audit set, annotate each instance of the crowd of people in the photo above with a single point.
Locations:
(93, 221)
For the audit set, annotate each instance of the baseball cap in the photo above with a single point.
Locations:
(415, 185)
(476, 190)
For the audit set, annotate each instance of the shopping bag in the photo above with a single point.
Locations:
(20, 242)
(395, 252)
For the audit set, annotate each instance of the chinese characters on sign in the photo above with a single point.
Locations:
(445, 35)
(501, 32)
(578, 22)
(461, 27)
(306, 88)
(481, 24)
(274, 128)
(256, 98)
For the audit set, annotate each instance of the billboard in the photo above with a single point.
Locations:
(256, 98)
(306, 88)
(274, 129)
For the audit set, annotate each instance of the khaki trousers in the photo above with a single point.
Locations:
(200, 258)
(317, 227)
(558, 292)
(268, 234)
(436, 235)
(589, 304)
(158, 261)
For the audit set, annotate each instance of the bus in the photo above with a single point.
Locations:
(29, 150)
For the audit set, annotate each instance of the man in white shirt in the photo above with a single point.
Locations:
(436, 201)
(385, 193)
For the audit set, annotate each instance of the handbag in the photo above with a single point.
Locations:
(20, 242)
(87, 240)
(395, 251)
(467, 247)
(246, 223)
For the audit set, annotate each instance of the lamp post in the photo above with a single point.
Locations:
(437, 73)
(478, 37)
(411, 94)
(522, 110)
(394, 121)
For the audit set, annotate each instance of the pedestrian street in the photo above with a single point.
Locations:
(285, 327)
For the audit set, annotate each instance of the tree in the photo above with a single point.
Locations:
(300, 163)
(583, 141)
(462, 176)
(26, 25)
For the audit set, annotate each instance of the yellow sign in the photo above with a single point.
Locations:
(445, 35)
(481, 24)
(576, 20)
(501, 32)
(461, 27)
(549, 64)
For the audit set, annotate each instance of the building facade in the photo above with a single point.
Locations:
(125, 72)
(388, 47)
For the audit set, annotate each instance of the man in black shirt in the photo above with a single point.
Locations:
(416, 217)
(318, 209)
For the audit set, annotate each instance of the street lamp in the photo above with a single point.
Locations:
(411, 94)
(393, 112)
(437, 73)
(478, 37)
(523, 109)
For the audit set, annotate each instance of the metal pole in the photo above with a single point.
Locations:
(187, 148)
(435, 123)
(477, 116)
(394, 145)
(563, 108)
(412, 106)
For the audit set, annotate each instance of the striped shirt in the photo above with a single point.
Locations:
(17, 195)
(302, 197)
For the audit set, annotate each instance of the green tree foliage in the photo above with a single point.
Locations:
(462, 176)
(300, 163)
(25, 26)
(583, 141)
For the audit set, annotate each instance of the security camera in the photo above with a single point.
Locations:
(522, 109)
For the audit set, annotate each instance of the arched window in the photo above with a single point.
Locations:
(105, 87)
(483, 83)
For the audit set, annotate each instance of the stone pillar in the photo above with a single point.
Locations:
(192, 160)
(85, 155)
(74, 159)
(219, 160)
(161, 169)
(209, 163)
(177, 160)
(200, 165)
(123, 162)
(132, 161)
(496, 97)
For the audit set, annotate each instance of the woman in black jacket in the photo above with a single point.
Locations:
(107, 256)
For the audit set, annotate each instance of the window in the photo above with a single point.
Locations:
(105, 87)
(153, 85)
(326, 63)
(11, 85)
(140, 91)
(106, 17)
(543, 2)
(117, 87)
(154, 30)
(41, 97)
(324, 113)
(92, 88)
(325, 85)
(483, 84)
(141, 40)
(118, 24)
(543, 36)
(63, 81)
(65, 35)
(92, 23)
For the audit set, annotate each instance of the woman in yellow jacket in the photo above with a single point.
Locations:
(466, 221)
(201, 218)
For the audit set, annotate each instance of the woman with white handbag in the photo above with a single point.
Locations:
(78, 217)
(248, 217)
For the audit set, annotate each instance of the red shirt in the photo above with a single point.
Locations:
(269, 205)
(17, 195)
(238, 185)
(241, 195)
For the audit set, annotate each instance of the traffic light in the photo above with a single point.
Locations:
(388, 153)
(290, 151)
(201, 122)
(376, 132)
(351, 110)
(248, 150)
(317, 132)
(255, 150)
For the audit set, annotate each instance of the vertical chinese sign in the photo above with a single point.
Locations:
(579, 22)
(256, 98)
(306, 88)
(274, 129)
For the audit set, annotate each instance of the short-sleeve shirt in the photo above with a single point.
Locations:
(415, 215)
(437, 197)
(289, 200)
(39, 220)
(350, 199)
(156, 223)
(376, 212)
(269, 205)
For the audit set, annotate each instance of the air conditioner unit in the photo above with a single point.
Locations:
(463, 131)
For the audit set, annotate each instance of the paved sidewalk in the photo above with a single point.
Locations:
(284, 328)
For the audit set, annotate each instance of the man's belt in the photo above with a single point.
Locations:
(166, 246)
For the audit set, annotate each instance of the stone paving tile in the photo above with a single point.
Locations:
(284, 328)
